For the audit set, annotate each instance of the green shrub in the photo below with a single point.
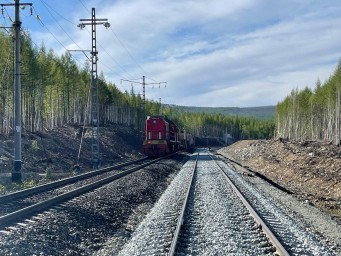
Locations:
(34, 145)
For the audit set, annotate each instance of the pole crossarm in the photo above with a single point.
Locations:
(131, 81)
(94, 19)
(144, 90)
(19, 4)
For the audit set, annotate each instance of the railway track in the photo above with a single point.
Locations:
(213, 239)
(22, 204)
(209, 210)
(294, 237)
(199, 214)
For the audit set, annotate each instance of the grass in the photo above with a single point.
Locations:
(7, 186)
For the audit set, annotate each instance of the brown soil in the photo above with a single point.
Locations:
(310, 170)
(55, 152)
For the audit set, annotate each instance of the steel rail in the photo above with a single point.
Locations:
(273, 239)
(257, 174)
(182, 214)
(30, 210)
(58, 183)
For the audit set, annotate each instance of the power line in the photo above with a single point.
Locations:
(118, 64)
(59, 24)
(143, 83)
(123, 46)
(84, 6)
(104, 49)
(55, 37)
(48, 7)
(131, 56)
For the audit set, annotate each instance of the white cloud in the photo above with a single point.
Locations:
(223, 53)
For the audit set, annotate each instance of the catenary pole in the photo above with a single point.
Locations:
(144, 96)
(94, 86)
(144, 90)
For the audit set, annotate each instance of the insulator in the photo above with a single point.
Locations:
(31, 11)
(81, 26)
(2, 10)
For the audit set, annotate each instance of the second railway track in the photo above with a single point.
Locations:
(19, 205)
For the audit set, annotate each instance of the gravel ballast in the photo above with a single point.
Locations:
(309, 219)
(216, 222)
(84, 225)
(293, 236)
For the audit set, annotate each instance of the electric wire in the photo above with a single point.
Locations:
(43, 25)
(9, 16)
(126, 49)
(123, 46)
(6, 66)
(47, 6)
(48, 9)
(83, 128)
(3, 16)
(7, 100)
(84, 6)
(99, 44)
(88, 97)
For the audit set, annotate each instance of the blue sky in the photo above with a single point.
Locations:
(218, 53)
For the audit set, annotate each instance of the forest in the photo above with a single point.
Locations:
(312, 114)
(55, 92)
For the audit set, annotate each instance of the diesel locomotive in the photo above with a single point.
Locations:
(161, 136)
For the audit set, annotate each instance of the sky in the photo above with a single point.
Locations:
(217, 53)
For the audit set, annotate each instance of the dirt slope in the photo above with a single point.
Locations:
(311, 170)
(56, 151)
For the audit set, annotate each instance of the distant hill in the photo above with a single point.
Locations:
(265, 112)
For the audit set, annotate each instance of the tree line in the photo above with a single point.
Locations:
(55, 92)
(312, 114)
(216, 125)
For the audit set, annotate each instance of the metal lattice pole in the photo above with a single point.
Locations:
(94, 96)
(94, 88)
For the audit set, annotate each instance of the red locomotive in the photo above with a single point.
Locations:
(161, 136)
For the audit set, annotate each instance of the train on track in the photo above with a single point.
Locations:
(162, 137)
